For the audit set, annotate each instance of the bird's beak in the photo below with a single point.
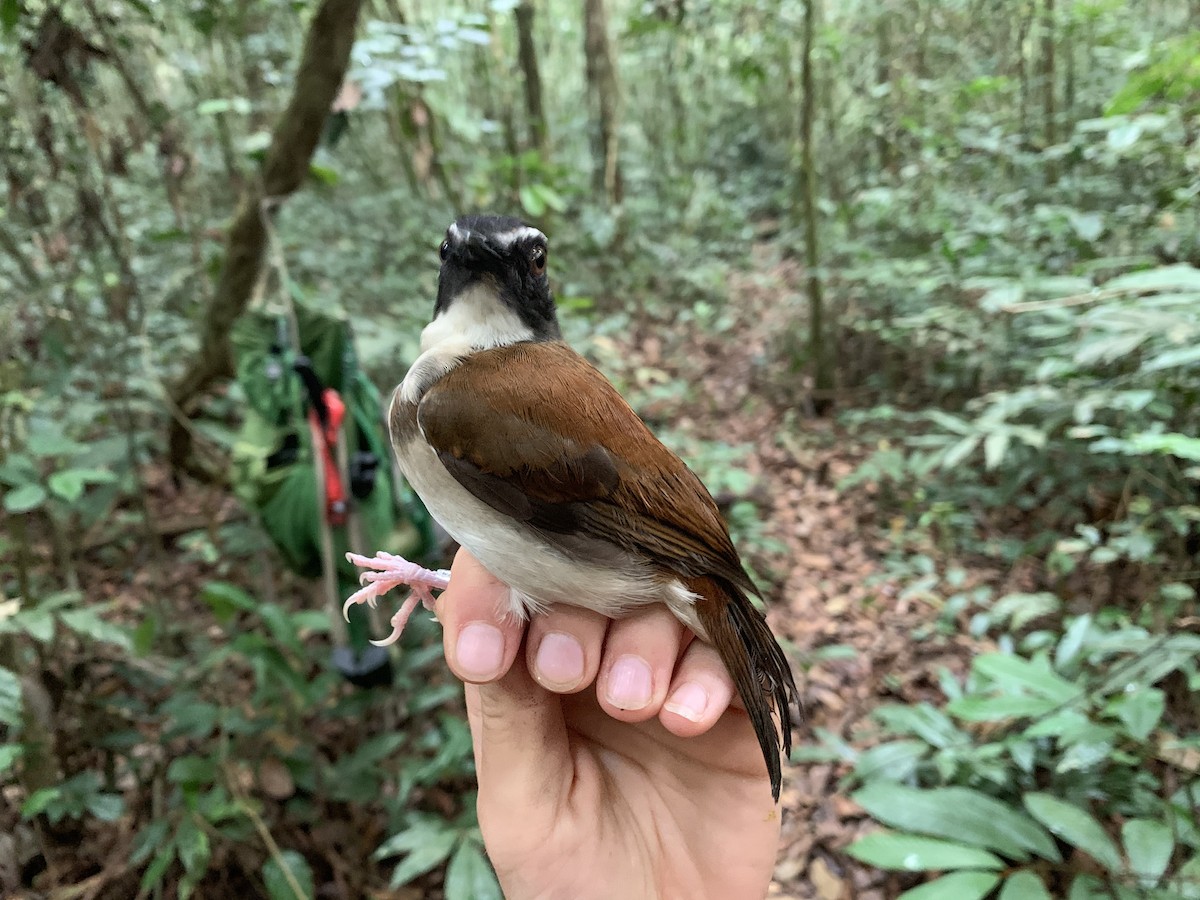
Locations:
(476, 251)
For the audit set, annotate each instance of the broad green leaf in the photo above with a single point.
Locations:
(531, 201)
(1088, 887)
(424, 830)
(106, 807)
(1013, 671)
(9, 754)
(67, 484)
(1149, 845)
(1187, 879)
(1139, 711)
(10, 13)
(1087, 226)
(991, 709)
(50, 443)
(995, 447)
(955, 886)
(10, 698)
(24, 498)
(912, 853)
(923, 720)
(958, 813)
(193, 847)
(960, 451)
(1164, 278)
(1072, 641)
(89, 623)
(157, 868)
(1075, 826)
(1024, 885)
(895, 760)
(276, 882)
(469, 875)
(193, 770)
(425, 857)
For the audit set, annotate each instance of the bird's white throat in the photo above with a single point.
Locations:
(477, 319)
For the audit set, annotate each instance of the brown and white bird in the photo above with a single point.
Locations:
(534, 463)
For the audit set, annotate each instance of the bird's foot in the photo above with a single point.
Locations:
(386, 571)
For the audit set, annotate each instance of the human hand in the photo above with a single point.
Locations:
(649, 786)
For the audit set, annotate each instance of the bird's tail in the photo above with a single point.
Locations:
(759, 668)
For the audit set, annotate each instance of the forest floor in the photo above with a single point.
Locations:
(860, 638)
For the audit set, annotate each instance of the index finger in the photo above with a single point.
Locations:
(479, 634)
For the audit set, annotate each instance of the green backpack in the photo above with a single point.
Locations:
(275, 469)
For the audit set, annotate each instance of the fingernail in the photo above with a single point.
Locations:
(480, 651)
(630, 683)
(559, 660)
(688, 701)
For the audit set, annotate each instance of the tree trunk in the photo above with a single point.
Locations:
(527, 54)
(883, 77)
(320, 74)
(1049, 105)
(818, 346)
(604, 92)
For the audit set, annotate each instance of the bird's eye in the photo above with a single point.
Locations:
(537, 261)
(445, 250)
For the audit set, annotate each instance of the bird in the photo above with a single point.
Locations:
(532, 460)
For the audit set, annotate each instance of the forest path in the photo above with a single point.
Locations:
(860, 637)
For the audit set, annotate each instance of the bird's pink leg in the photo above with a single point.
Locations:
(386, 571)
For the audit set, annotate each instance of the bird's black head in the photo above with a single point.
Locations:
(489, 260)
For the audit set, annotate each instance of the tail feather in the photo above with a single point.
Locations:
(759, 668)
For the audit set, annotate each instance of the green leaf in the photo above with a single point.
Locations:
(37, 623)
(993, 709)
(39, 801)
(1164, 278)
(224, 599)
(995, 447)
(895, 760)
(911, 853)
(425, 857)
(1075, 826)
(10, 12)
(1072, 641)
(192, 770)
(10, 698)
(424, 830)
(88, 623)
(1024, 885)
(960, 814)
(1187, 879)
(158, 868)
(531, 201)
(1139, 711)
(25, 498)
(67, 484)
(1149, 845)
(9, 754)
(1014, 672)
(193, 847)
(470, 877)
(955, 886)
(106, 807)
(276, 882)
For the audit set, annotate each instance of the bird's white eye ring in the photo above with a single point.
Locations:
(445, 250)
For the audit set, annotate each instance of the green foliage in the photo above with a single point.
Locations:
(1052, 741)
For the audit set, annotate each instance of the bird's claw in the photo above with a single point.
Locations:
(386, 571)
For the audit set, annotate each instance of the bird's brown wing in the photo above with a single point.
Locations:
(536, 432)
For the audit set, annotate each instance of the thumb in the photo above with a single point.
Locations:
(522, 758)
